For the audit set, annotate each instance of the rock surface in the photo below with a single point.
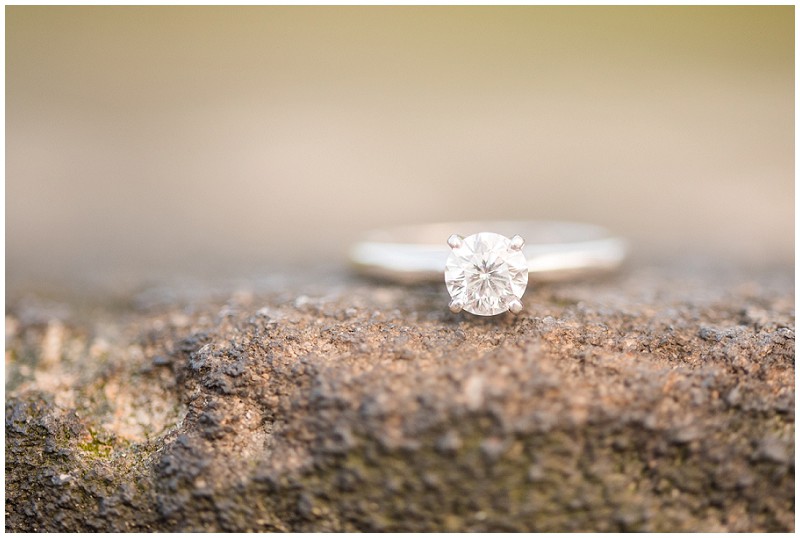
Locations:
(661, 399)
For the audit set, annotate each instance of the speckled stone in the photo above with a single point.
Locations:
(661, 399)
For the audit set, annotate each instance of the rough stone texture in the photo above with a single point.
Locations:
(660, 399)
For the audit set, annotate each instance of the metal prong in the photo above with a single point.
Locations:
(455, 241)
(517, 242)
(456, 306)
(515, 306)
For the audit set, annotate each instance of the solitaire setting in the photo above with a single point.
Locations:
(486, 273)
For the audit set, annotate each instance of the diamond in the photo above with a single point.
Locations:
(486, 273)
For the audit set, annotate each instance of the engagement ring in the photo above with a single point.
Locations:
(487, 265)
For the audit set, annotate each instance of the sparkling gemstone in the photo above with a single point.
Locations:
(484, 273)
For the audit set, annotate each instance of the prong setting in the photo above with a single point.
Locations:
(455, 241)
(515, 305)
(484, 275)
(517, 242)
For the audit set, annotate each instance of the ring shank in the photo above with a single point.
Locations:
(555, 251)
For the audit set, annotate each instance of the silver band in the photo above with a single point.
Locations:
(554, 250)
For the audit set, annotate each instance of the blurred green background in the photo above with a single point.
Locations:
(148, 141)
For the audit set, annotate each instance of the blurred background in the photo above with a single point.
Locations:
(153, 141)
